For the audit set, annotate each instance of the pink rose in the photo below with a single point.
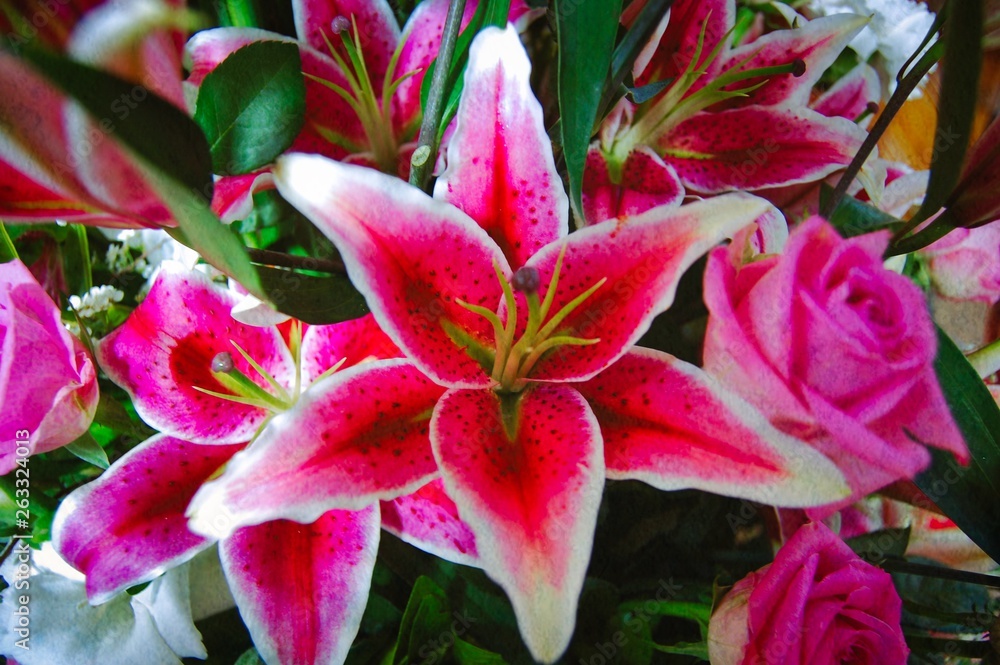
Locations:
(965, 264)
(817, 604)
(48, 385)
(835, 349)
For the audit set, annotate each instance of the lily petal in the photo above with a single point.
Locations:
(232, 196)
(646, 182)
(500, 166)
(429, 519)
(359, 436)
(642, 259)
(530, 496)
(376, 23)
(667, 423)
(302, 588)
(817, 44)
(850, 96)
(411, 256)
(753, 147)
(128, 526)
(678, 42)
(164, 351)
(354, 342)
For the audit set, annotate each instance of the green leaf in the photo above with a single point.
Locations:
(250, 657)
(469, 654)
(969, 495)
(87, 449)
(426, 609)
(628, 50)
(957, 102)
(878, 545)
(155, 129)
(585, 31)
(853, 217)
(315, 300)
(201, 229)
(252, 106)
(7, 251)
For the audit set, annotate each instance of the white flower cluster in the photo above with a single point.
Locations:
(154, 247)
(896, 29)
(98, 299)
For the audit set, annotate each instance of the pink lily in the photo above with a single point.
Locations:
(55, 162)
(732, 118)
(50, 399)
(363, 109)
(529, 333)
(129, 525)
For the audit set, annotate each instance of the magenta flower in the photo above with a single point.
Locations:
(47, 380)
(187, 365)
(367, 114)
(730, 119)
(835, 349)
(57, 163)
(817, 604)
(528, 332)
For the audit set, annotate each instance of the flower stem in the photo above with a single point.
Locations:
(906, 85)
(986, 360)
(425, 154)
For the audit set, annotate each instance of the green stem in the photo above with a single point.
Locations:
(425, 154)
(7, 250)
(899, 97)
(272, 258)
(83, 247)
(986, 360)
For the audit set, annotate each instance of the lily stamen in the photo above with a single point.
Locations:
(514, 360)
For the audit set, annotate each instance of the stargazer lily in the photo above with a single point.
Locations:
(363, 77)
(188, 365)
(529, 333)
(728, 119)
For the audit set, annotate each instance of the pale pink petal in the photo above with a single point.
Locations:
(164, 350)
(411, 256)
(646, 182)
(500, 166)
(355, 342)
(850, 96)
(817, 44)
(351, 439)
(128, 526)
(428, 519)
(377, 29)
(752, 148)
(669, 424)
(642, 259)
(302, 588)
(530, 496)
(677, 45)
(48, 383)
